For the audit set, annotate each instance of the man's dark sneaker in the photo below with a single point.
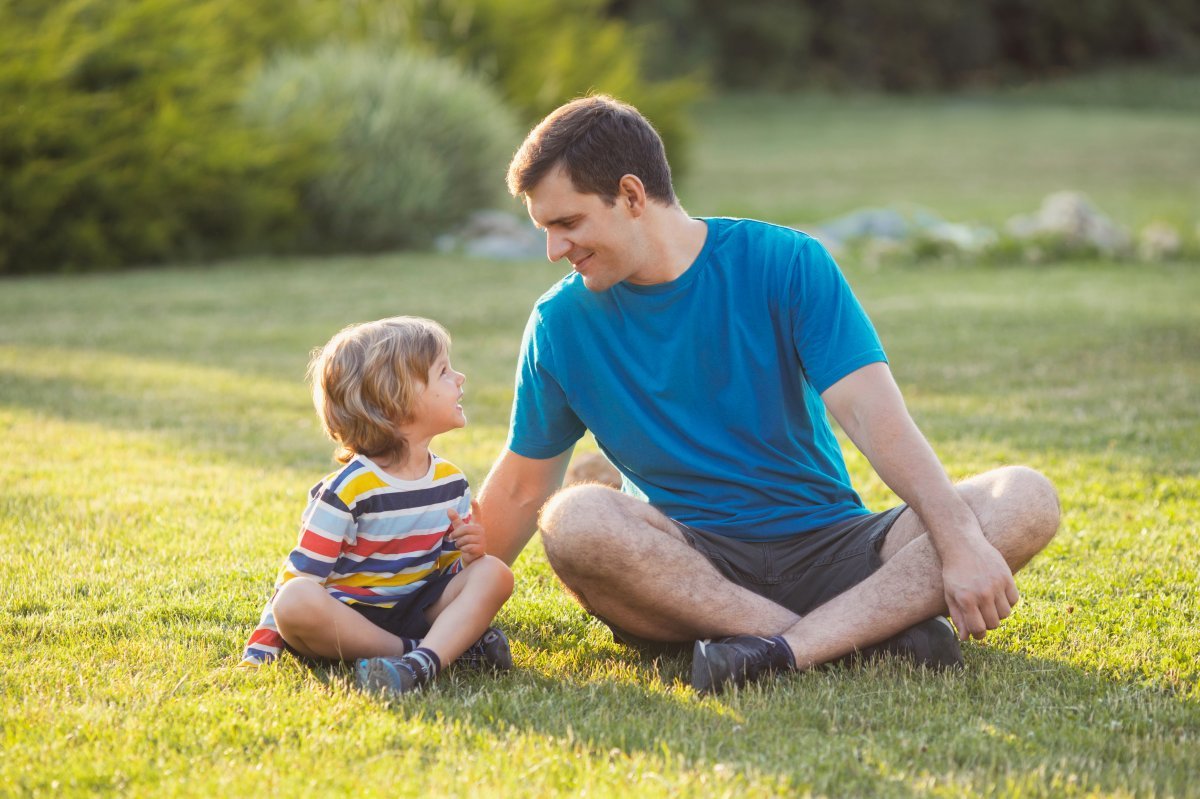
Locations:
(932, 643)
(386, 676)
(734, 661)
(491, 651)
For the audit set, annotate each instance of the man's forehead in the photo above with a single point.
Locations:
(555, 198)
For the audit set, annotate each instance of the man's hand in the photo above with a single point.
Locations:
(979, 586)
(469, 537)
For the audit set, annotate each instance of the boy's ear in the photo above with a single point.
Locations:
(631, 194)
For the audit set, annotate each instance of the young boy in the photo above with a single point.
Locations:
(390, 569)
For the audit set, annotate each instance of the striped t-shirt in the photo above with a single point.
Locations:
(370, 538)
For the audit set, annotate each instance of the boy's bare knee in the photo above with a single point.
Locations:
(298, 601)
(497, 573)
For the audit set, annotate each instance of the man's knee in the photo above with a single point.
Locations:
(1031, 507)
(575, 521)
(1037, 497)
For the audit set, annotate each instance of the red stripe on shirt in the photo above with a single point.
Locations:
(398, 546)
(266, 637)
(320, 545)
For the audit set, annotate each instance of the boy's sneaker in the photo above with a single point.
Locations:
(387, 676)
(491, 651)
(734, 661)
(932, 643)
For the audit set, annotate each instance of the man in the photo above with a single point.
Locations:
(703, 355)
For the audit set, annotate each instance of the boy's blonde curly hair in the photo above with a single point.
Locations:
(366, 379)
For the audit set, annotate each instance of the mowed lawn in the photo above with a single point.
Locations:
(161, 443)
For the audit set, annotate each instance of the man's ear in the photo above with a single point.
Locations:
(631, 194)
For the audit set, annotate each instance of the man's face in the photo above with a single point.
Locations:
(597, 238)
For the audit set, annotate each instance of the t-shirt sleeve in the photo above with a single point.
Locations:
(831, 331)
(543, 424)
(325, 525)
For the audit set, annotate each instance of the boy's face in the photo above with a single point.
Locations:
(439, 405)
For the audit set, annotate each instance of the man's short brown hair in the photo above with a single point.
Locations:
(597, 140)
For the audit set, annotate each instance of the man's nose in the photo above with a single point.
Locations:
(557, 246)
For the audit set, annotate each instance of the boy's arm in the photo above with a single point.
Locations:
(511, 497)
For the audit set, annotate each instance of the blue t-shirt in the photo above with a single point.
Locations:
(705, 391)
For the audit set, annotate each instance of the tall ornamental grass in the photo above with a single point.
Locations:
(410, 144)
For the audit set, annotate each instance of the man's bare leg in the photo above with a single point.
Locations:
(626, 562)
(1019, 513)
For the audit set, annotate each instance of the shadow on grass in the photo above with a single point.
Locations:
(1010, 724)
(270, 422)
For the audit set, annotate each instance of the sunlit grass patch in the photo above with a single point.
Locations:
(160, 444)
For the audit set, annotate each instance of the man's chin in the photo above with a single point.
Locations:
(595, 286)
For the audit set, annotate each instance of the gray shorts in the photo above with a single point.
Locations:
(799, 573)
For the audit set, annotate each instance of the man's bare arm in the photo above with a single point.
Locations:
(513, 493)
(979, 586)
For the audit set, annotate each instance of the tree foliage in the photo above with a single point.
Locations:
(902, 45)
(121, 140)
(118, 142)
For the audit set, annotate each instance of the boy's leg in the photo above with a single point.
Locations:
(466, 608)
(318, 626)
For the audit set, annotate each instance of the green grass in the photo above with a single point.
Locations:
(160, 442)
(1129, 141)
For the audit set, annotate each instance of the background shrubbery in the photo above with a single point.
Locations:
(118, 137)
(902, 45)
(538, 52)
(122, 141)
(410, 145)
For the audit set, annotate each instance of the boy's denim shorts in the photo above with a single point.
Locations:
(800, 573)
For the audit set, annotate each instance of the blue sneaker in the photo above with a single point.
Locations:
(389, 677)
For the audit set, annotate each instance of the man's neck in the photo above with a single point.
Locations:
(673, 240)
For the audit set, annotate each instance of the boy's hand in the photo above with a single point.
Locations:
(467, 536)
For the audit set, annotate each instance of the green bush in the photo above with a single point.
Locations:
(116, 142)
(540, 53)
(410, 144)
(121, 139)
